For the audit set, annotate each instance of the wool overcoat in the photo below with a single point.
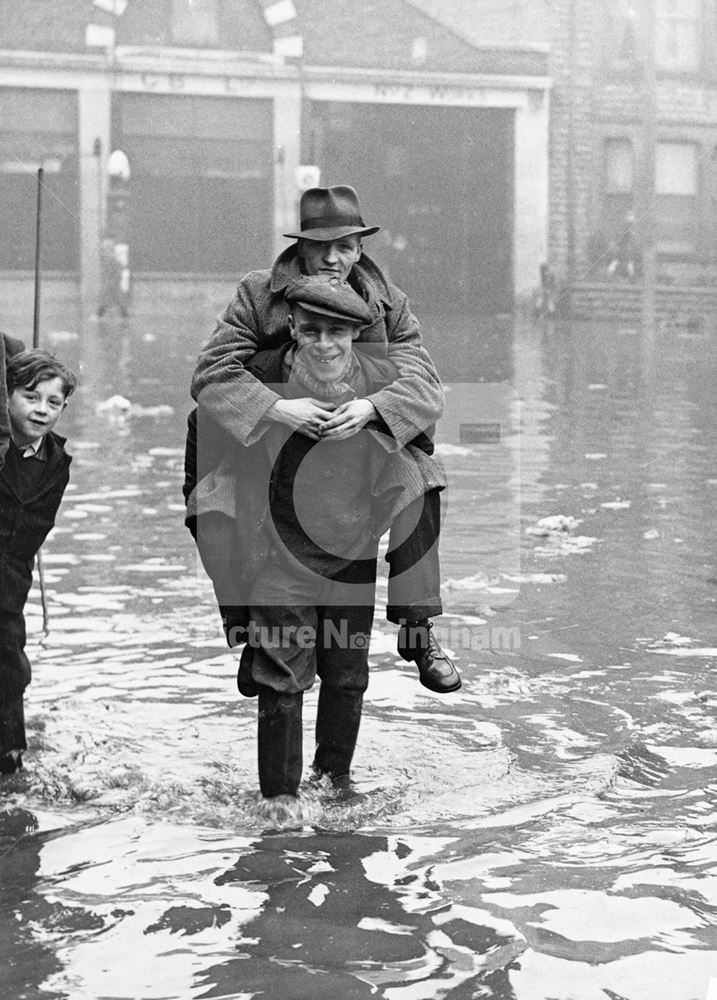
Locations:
(257, 319)
(243, 479)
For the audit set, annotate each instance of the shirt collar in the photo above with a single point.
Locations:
(33, 450)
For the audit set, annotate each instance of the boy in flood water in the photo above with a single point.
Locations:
(32, 482)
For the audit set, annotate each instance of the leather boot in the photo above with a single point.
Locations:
(436, 669)
(338, 719)
(279, 742)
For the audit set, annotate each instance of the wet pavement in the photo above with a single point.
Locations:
(546, 832)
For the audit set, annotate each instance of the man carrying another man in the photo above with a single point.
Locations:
(299, 519)
(329, 244)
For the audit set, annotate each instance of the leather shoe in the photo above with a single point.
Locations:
(436, 670)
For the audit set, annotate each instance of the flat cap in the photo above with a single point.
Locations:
(329, 296)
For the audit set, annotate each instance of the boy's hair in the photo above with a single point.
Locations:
(26, 369)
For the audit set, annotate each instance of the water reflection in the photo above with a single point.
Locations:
(27, 956)
(567, 790)
(350, 915)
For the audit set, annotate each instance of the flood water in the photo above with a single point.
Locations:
(547, 833)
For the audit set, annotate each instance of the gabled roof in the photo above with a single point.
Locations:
(384, 35)
(48, 25)
(395, 35)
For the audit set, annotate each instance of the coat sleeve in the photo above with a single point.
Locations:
(4, 416)
(232, 395)
(414, 401)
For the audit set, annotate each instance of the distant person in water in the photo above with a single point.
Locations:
(32, 482)
(288, 528)
(114, 286)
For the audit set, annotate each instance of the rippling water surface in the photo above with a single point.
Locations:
(548, 833)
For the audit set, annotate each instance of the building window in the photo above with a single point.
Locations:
(621, 36)
(39, 129)
(618, 185)
(676, 190)
(195, 22)
(677, 35)
(619, 167)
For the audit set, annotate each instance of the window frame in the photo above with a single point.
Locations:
(699, 21)
(676, 249)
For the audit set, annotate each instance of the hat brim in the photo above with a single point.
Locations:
(325, 311)
(332, 233)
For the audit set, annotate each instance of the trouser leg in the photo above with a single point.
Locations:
(414, 581)
(12, 733)
(342, 664)
(279, 742)
(15, 675)
(414, 588)
(215, 536)
(338, 719)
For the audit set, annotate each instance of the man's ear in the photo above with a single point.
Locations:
(360, 251)
(355, 332)
(292, 327)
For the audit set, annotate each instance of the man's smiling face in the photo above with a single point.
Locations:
(325, 341)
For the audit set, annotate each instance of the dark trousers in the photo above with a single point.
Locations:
(303, 624)
(15, 670)
(414, 578)
(288, 645)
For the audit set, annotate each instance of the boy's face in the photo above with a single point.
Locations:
(34, 412)
(325, 341)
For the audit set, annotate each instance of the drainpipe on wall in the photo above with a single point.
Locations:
(569, 161)
(647, 186)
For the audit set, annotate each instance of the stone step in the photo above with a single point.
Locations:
(678, 303)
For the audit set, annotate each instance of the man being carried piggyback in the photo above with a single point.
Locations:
(32, 482)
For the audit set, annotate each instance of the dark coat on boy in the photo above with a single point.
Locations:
(29, 499)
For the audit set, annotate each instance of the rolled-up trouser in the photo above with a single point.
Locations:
(299, 627)
(414, 581)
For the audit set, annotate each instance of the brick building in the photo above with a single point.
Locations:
(644, 144)
(633, 133)
(216, 104)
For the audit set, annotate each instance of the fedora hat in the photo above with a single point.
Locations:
(329, 214)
